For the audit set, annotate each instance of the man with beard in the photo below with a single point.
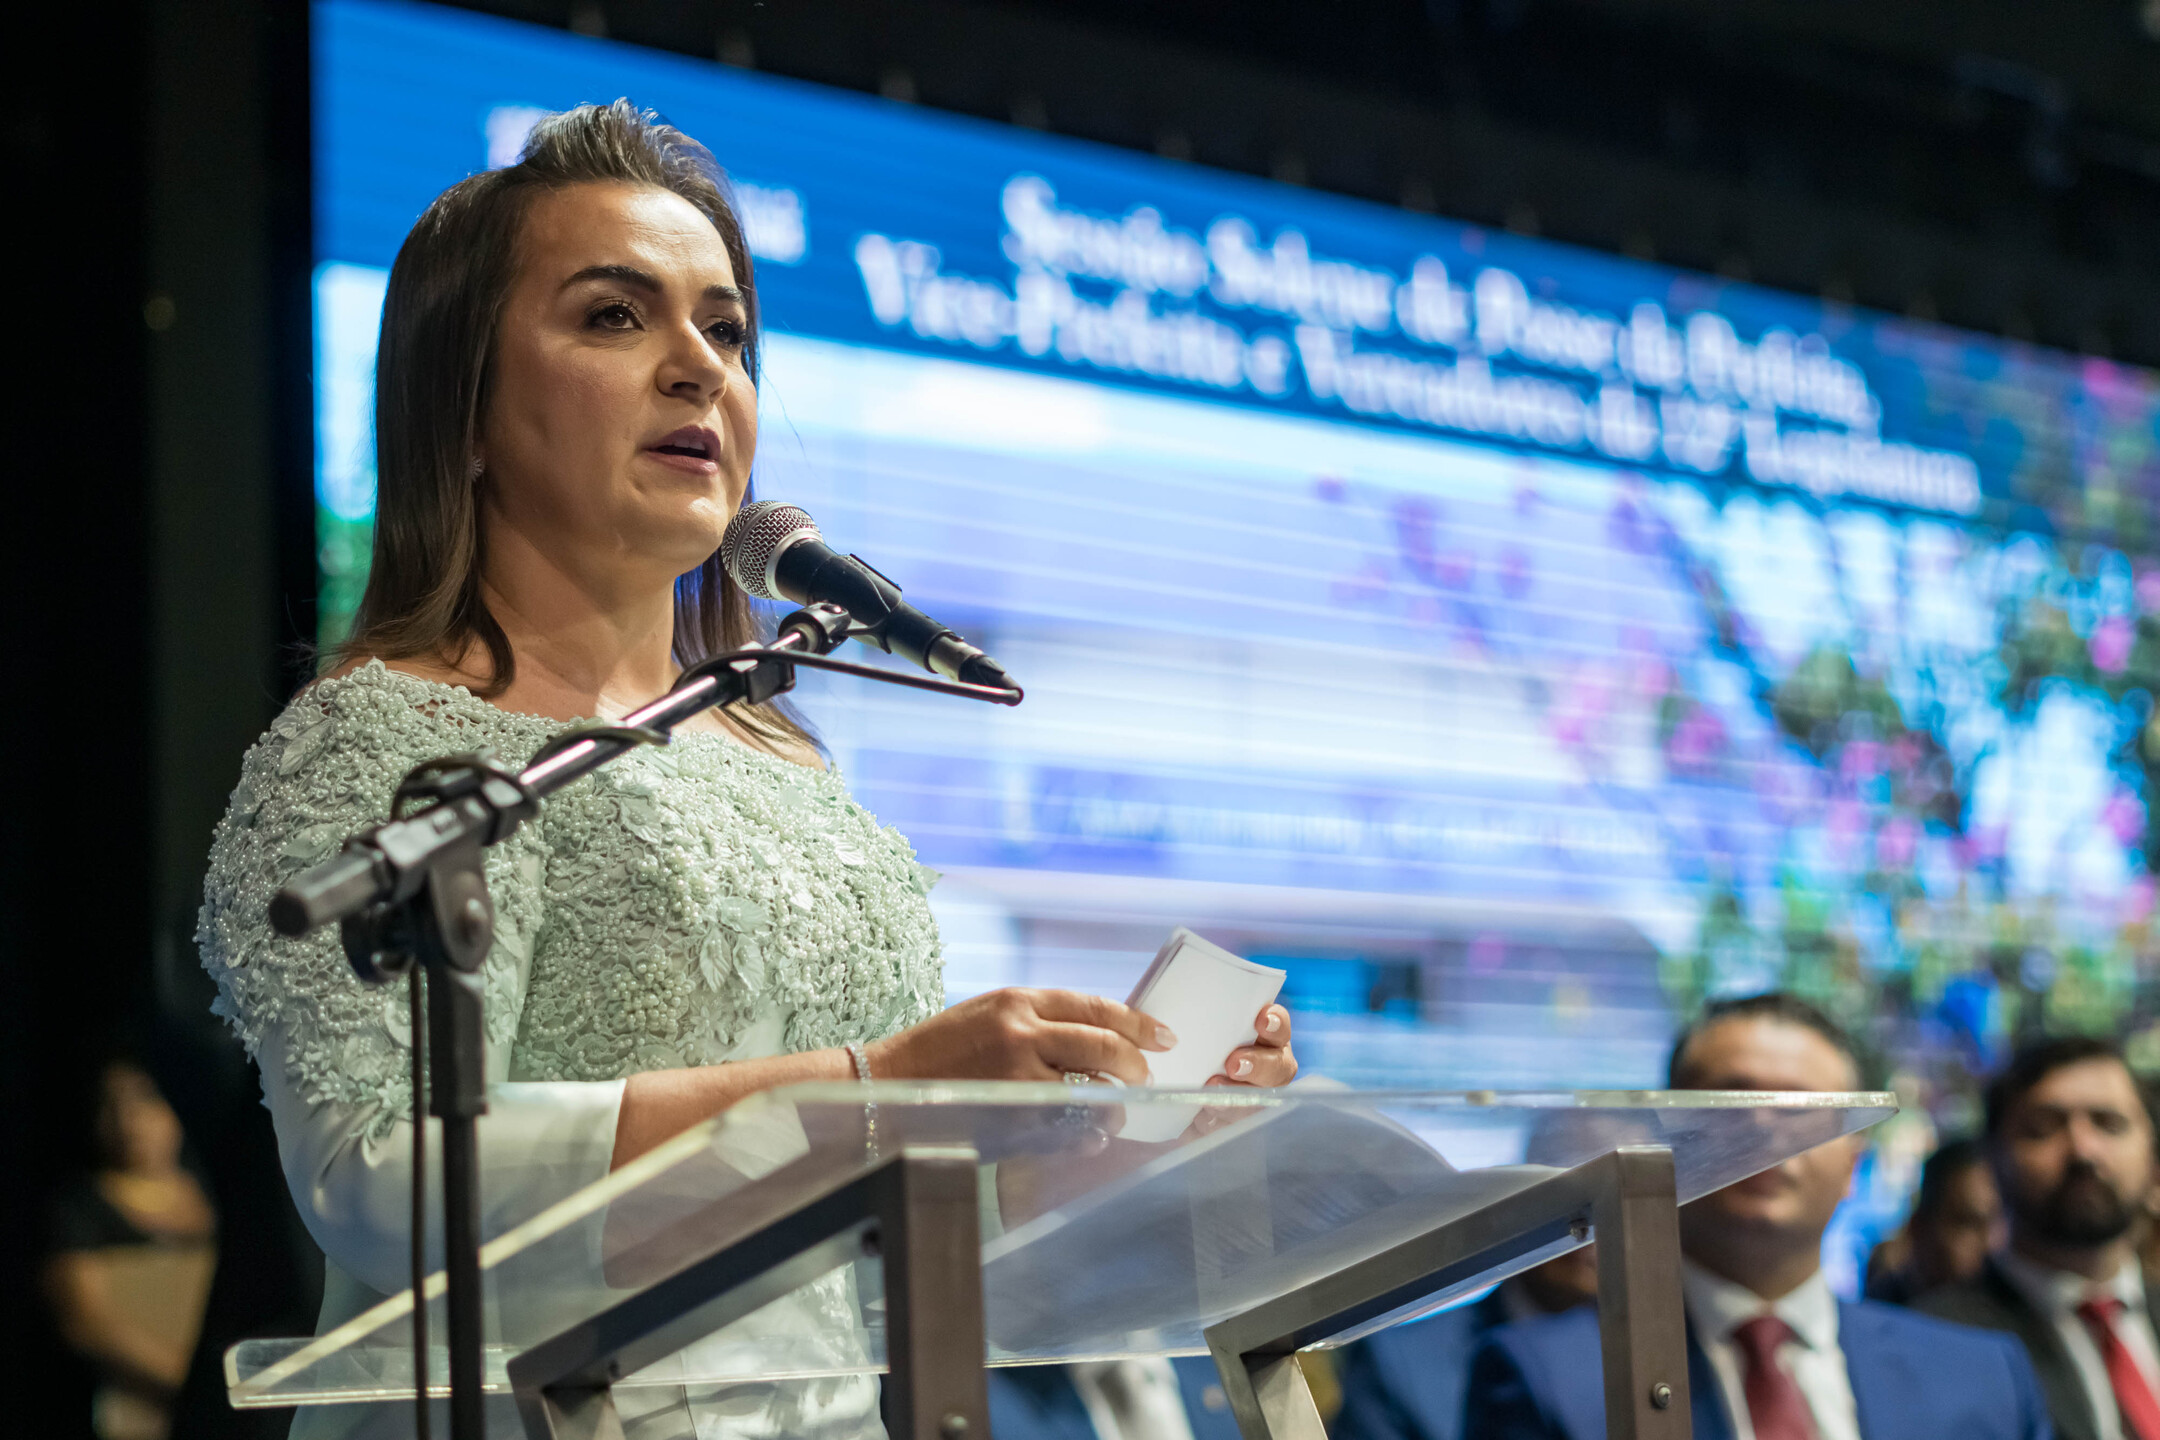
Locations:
(2071, 1140)
(1772, 1353)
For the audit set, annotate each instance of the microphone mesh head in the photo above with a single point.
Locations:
(754, 540)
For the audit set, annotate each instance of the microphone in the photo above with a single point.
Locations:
(775, 552)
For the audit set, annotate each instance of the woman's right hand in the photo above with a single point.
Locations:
(1023, 1035)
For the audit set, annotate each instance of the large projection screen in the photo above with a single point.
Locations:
(1516, 642)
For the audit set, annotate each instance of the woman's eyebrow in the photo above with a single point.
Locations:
(644, 280)
(621, 274)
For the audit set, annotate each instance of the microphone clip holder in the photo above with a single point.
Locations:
(436, 901)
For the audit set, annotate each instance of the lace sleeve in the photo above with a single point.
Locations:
(328, 766)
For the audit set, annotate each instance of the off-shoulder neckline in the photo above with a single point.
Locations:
(374, 668)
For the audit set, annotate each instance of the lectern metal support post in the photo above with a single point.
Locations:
(917, 1211)
(1626, 1196)
(1641, 1325)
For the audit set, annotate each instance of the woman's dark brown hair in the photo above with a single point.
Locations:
(433, 370)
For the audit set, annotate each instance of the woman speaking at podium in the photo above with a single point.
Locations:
(566, 415)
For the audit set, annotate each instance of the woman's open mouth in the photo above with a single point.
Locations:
(693, 448)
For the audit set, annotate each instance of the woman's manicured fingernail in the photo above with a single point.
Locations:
(1165, 1037)
(1240, 1070)
(1274, 1021)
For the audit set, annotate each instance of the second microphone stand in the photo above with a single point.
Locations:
(410, 896)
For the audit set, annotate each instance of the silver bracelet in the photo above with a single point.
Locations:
(862, 1073)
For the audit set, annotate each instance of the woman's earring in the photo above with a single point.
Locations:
(474, 470)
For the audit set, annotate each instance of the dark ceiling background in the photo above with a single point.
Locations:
(1991, 163)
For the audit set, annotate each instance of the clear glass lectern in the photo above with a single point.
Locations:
(927, 1230)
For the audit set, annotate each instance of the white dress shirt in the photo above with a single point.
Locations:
(1133, 1399)
(1812, 1357)
(2056, 1294)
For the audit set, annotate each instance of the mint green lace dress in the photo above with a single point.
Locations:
(686, 906)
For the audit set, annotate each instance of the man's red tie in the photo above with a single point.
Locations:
(2133, 1396)
(1775, 1405)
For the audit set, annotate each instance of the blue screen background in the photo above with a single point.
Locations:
(1516, 643)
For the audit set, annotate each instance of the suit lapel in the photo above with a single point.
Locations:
(2064, 1391)
(1884, 1377)
(1873, 1374)
(1706, 1398)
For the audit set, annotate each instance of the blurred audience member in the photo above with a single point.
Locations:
(1407, 1383)
(1956, 1220)
(2147, 1228)
(131, 1256)
(271, 1284)
(1113, 1400)
(2072, 1144)
(1772, 1354)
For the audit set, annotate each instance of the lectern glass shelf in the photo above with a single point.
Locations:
(1093, 1246)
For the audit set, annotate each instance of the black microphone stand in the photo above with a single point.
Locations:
(410, 895)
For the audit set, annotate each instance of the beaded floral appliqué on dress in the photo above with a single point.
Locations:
(647, 919)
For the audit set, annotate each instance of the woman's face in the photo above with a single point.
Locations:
(621, 421)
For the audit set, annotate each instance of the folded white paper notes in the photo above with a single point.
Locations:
(1209, 998)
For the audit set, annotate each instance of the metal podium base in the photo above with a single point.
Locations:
(1243, 1242)
(916, 1211)
(1626, 1196)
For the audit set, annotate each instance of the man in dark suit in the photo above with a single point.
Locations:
(1772, 1354)
(1407, 1383)
(1120, 1400)
(2071, 1139)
